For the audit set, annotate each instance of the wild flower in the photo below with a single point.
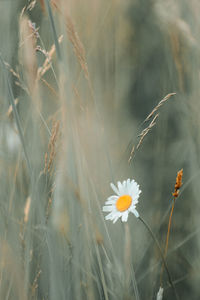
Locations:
(125, 200)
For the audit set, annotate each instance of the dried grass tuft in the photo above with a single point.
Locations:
(49, 56)
(178, 183)
(177, 186)
(50, 155)
(27, 209)
(159, 105)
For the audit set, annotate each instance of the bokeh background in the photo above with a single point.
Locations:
(81, 95)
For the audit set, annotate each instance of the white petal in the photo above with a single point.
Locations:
(128, 182)
(116, 218)
(125, 216)
(120, 188)
(134, 189)
(135, 212)
(110, 202)
(108, 208)
(128, 188)
(114, 188)
(134, 201)
(110, 216)
(114, 197)
(119, 184)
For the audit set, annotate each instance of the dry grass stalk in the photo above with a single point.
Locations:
(49, 204)
(131, 155)
(11, 70)
(79, 49)
(10, 110)
(34, 30)
(159, 105)
(48, 208)
(178, 183)
(42, 5)
(27, 209)
(98, 237)
(31, 5)
(127, 255)
(142, 136)
(22, 86)
(146, 130)
(28, 57)
(74, 38)
(35, 283)
(49, 55)
(17, 76)
(45, 162)
(52, 90)
(30, 34)
(176, 46)
(51, 147)
(177, 186)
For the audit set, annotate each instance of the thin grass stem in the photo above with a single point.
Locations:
(53, 27)
(167, 239)
(161, 254)
(16, 115)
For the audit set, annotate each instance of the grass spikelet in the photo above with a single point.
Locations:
(35, 283)
(159, 105)
(49, 56)
(14, 73)
(53, 28)
(10, 109)
(142, 136)
(28, 45)
(49, 157)
(78, 46)
(177, 186)
(15, 112)
(146, 130)
(52, 90)
(31, 5)
(76, 42)
(178, 183)
(27, 209)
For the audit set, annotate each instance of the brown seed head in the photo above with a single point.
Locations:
(178, 183)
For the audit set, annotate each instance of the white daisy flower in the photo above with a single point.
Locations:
(124, 202)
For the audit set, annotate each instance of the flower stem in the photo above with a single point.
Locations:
(167, 238)
(161, 254)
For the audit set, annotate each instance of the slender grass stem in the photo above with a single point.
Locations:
(167, 238)
(15, 112)
(129, 268)
(53, 29)
(102, 274)
(161, 254)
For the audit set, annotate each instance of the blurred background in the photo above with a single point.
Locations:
(73, 102)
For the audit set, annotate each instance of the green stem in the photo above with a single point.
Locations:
(15, 112)
(161, 254)
(53, 27)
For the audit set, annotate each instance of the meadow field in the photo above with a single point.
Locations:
(99, 150)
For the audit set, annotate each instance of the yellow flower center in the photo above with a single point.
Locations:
(123, 202)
